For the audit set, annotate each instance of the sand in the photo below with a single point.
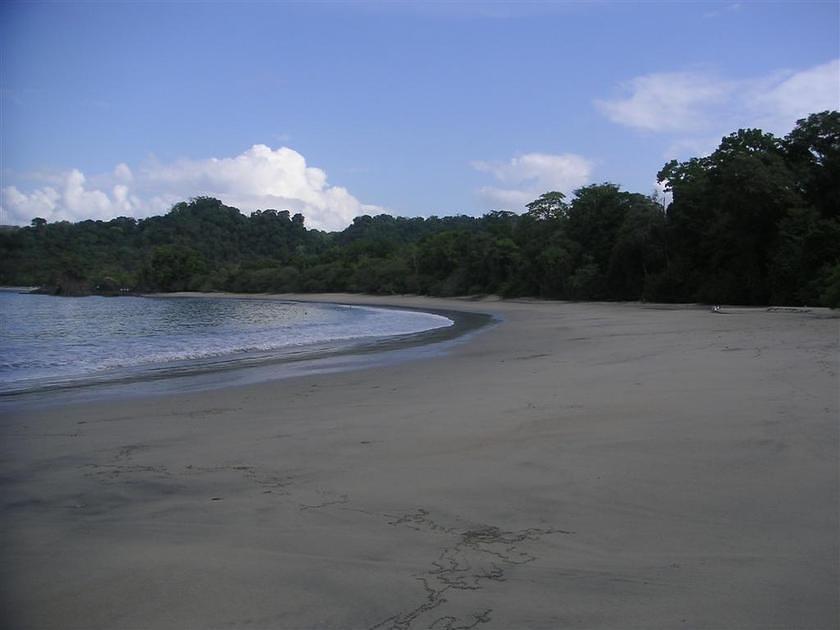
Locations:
(575, 466)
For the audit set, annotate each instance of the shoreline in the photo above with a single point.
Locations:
(255, 367)
(576, 465)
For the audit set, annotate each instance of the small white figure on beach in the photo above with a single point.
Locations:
(716, 308)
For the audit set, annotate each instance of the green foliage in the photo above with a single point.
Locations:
(813, 150)
(173, 268)
(830, 295)
(549, 206)
(757, 221)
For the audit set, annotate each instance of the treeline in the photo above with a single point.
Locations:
(756, 222)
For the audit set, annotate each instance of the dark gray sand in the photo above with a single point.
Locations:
(576, 466)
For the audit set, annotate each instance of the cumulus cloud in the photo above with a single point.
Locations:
(524, 178)
(258, 178)
(690, 102)
(69, 198)
(123, 173)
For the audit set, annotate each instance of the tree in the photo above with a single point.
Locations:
(550, 205)
(638, 251)
(756, 221)
(723, 221)
(813, 149)
(173, 268)
(594, 219)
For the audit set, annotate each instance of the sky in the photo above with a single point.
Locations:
(337, 109)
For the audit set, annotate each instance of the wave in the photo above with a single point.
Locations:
(69, 340)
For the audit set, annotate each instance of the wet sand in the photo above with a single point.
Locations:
(575, 466)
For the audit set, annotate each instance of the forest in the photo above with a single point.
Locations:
(757, 222)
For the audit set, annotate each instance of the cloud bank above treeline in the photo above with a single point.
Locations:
(258, 178)
(690, 110)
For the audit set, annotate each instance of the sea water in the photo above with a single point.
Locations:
(48, 342)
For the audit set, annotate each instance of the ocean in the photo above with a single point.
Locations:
(55, 342)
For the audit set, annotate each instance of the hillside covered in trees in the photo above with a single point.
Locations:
(755, 222)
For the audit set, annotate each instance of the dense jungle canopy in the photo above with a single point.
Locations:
(755, 222)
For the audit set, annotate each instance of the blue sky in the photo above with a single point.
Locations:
(336, 109)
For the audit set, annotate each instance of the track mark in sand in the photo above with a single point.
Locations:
(123, 468)
(478, 555)
(114, 419)
(268, 481)
(448, 622)
(531, 356)
(190, 414)
(44, 435)
(419, 520)
(340, 499)
(127, 451)
(116, 472)
(198, 413)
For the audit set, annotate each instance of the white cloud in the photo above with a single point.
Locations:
(667, 101)
(691, 102)
(123, 173)
(526, 177)
(69, 198)
(259, 178)
(791, 96)
(41, 202)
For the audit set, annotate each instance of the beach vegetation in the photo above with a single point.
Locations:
(755, 222)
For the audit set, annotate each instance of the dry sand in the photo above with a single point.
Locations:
(576, 466)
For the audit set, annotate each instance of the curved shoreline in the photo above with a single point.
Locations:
(254, 367)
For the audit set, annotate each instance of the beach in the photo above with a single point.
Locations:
(575, 465)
